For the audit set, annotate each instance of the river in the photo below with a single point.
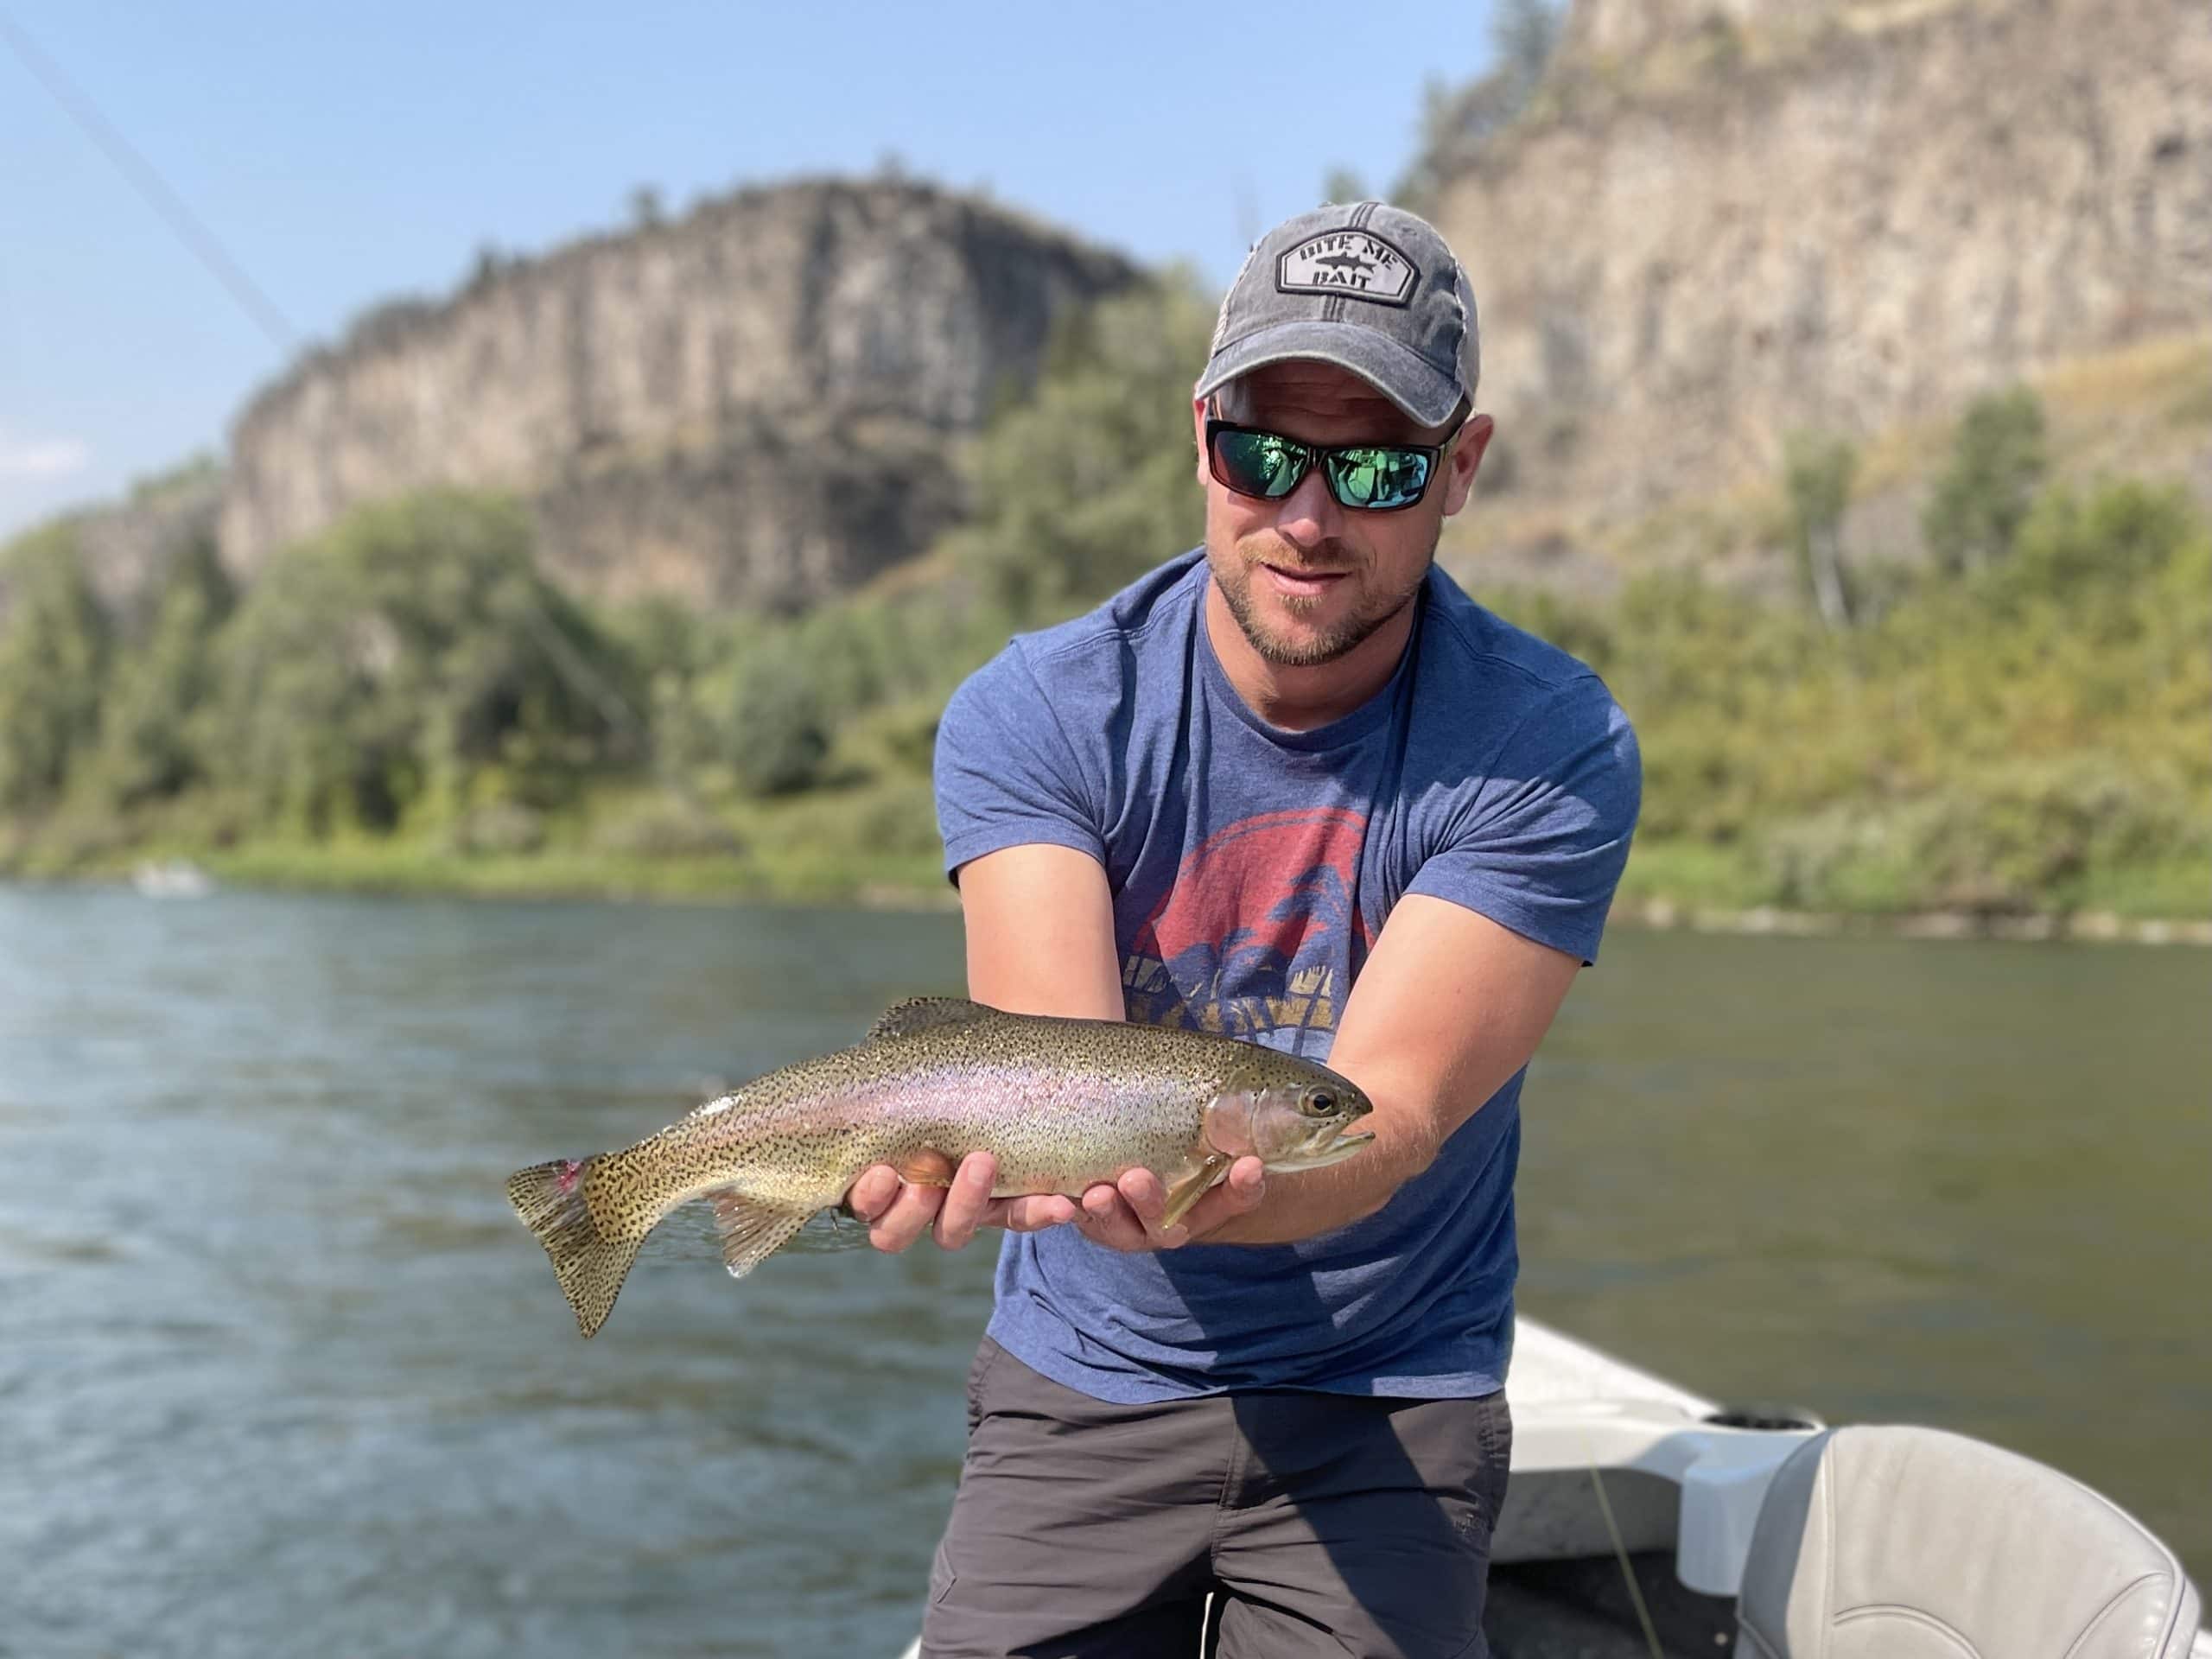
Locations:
(280, 1374)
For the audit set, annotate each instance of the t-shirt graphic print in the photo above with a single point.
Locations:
(1247, 939)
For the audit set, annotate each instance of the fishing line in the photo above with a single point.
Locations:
(1620, 1551)
(142, 177)
(204, 245)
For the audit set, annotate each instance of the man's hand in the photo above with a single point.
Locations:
(897, 1213)
(1126, 1215)
(1121, 1216)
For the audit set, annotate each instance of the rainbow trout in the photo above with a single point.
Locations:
(1062, 1103)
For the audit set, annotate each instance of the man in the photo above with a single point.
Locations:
(1295, 787)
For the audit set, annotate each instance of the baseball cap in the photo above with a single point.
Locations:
(1370, 288)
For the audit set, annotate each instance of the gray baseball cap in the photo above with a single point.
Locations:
(1369, 287)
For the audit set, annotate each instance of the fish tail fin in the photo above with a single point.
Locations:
(591, 1267)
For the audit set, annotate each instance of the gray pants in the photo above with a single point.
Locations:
(1324, 1525)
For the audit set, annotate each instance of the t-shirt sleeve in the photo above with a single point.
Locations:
(1538, 848)
(1006, 773)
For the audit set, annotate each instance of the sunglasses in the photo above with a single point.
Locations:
(1365, 477)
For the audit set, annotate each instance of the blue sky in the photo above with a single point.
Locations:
(346, 155)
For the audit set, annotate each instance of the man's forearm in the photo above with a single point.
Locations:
(1450, 1006)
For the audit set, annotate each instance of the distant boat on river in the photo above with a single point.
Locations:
(175, 878)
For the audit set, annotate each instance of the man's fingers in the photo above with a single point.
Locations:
(1147, 1199)
(1124, 1214)
(968, 1200)
(909, 1217)
(871, 1195)
(1246, 1185)
(898, 1214)
(1241, 1191)
(1034, 1214)
(1108, 1219)
(1146, 1195)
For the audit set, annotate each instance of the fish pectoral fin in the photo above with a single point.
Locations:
(1192, 1187)
(751, 1231)
(922, 1012)
(928, 1167)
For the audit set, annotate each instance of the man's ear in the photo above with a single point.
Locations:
(1199, 436)
(1460, 466)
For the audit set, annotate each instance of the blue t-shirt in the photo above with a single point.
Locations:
(1251, 869)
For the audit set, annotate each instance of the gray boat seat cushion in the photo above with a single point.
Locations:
(1910, 1543)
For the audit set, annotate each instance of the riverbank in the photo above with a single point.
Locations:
(2088, 926)
(1666, 886)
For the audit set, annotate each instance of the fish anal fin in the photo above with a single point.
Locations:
(751, 1231)
(922, 1012)
(928, 1167)
(1194, 1187)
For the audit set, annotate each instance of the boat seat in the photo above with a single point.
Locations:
(1912, 1543)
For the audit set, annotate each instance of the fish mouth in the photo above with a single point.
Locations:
(1318, 1152)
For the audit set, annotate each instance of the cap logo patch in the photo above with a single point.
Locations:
(1358, 264)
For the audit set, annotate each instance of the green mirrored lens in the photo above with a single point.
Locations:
(1261, 463)
(1378, 476)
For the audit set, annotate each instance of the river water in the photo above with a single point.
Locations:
(280, 1374)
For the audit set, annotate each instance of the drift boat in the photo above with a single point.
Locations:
(1643, 1519)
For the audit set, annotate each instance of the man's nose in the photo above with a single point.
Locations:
(1309, 516)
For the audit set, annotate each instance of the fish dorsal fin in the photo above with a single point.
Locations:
(924, 1013)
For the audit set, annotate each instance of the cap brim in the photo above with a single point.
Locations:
(1410, 381)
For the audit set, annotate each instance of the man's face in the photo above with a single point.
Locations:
(1306, 579)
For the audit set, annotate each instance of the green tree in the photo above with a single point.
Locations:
(779, 726)
(1817, 472)
(150, 743)
(2112, 538)
(1094, 482)
(55, 648)
(668, 645)
(410, 660)
(1983, 495)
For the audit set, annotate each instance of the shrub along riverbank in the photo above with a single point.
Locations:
(2010, 726)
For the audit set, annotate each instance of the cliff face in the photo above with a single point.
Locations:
(128, 549)
(754, 403)
(1725, 220)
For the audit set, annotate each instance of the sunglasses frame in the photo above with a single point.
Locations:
(1317, 453)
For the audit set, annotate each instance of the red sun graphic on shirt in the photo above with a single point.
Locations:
(1259, 931)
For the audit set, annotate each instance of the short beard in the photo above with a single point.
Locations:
(1234, 574)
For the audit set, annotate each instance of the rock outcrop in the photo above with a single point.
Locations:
(754, 403)
(1725, 220)
(129, 548)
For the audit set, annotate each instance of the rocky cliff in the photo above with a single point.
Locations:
(1725, 220)
(754, 403)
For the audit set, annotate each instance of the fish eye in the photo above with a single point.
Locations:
(1320, 1101)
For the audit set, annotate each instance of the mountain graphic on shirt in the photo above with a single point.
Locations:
(1260, 932)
